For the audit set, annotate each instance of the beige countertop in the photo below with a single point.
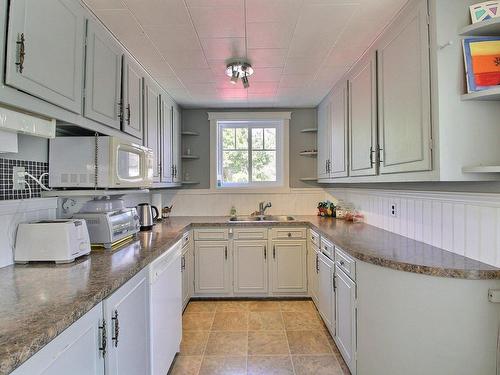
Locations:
(37, 302)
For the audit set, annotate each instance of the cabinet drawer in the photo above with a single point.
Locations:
(314, 237)
(186, 239)
(345, 262)
(327, 248)
(284, 233)
(211, 234)
(250, 234)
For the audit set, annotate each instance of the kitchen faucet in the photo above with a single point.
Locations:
(262, 207)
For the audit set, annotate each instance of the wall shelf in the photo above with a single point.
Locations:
(489, 27)
(92, 192)
(485, 95)
(308, 153)
(481, 169)
(309, 130)
(308, 179)
(190, 157)
(190, 182)
(189, 132)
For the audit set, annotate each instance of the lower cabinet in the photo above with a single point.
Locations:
(212, 267)
(75, 351)
(250, 267)
(288, 267)
(313, 272)
(187, 271)
(326, 292)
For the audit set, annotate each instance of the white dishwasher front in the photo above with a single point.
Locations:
(165, 281)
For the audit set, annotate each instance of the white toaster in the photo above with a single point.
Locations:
(60, 241)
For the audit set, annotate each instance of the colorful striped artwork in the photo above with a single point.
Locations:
(485, 11)
(482, 62)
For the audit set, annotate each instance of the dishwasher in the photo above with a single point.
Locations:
(165, 293)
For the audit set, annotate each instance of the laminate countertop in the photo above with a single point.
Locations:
(39, 301)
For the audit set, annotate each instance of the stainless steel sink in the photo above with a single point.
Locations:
(262, 218)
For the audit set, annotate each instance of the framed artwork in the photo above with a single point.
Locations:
(484, 11)
(482, 63)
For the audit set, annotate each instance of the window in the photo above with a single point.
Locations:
(249, 153)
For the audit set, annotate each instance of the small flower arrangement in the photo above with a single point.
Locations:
(326, 209)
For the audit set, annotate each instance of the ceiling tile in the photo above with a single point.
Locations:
(169, 81)
(269, 88)
(295, 80)
(186, 60)
(301, 66)
(267, 57)
(273, 10)
(202, 89)
(219, 22)
(232, 93)
(223, 48)
(269, 34)
(195, 75)
(266, 75)
(121, 23)
(105, 4)
(159, 12)
(215, 3)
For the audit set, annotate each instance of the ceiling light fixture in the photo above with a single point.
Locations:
(239, 69)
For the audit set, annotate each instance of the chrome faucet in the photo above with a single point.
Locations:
(263, 206)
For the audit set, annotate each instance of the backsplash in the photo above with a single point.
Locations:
(35, 168)
(463, 223)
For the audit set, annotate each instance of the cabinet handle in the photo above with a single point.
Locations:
(128, 113)
(120, 110)
(342, 263)
(326, 166)
(334, 283)
(225, 252)
(104, 342)
(274, 251)
(183, 263)
(265, 252)
(116, 328)
(289, 234)
(22, 53)
(317, 263)
(371, 156)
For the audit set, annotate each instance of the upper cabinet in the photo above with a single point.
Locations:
(176, 144)
(404, 95)
(45, 50)
(166, 135)
(103, 77)
(133, 75)
(324, 131)
(152, 124)
(338, 165)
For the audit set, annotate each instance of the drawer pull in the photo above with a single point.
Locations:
(342, 263)
(289, 234)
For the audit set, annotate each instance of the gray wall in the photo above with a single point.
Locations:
(199, 169)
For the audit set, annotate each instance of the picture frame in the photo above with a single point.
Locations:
(482, 63)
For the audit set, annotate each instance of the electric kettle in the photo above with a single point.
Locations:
(146, 217)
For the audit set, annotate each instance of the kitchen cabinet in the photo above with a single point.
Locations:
(288, 267)
(326, 291)
(187, 270)
(166, 135)
(363, 144)
(212, 267)
(126, 312)
(404, 112)
(250, 267)
(324, 132)
(345, 314)
(103, 76)
(176, 145)
(338, 167)
(313, 272)
(132, 97)
(75, 350)
(152, 124)
(45, 50)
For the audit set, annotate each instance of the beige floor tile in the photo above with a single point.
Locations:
(265, 320)
(297, 306)
(225, 306)
(308, 342)
(264, 306)
(231, 321)
(267, 342)
(270, 365)
(316, 364)
(186, 365)
(220, 365)
(301, 321)
(227, 343)
(194, 342)
(200, 307)
(197, 321)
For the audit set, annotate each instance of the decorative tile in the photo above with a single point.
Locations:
(34, 168)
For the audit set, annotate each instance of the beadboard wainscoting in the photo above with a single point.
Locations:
(207, 202)
(13, 212)
(463, 223)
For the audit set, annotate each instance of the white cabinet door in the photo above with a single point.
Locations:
(404, 95)
(176, 144)
(313, 273)
(326, 292)
(132, 97)
(363, 118)
(152, 124)
(75, 351)
(288, 268)
(186, 275)
(127, 313)
(212, 270)
(166, 133)
(345, 313)
(324, 121)
(339, 144)
(103, 77)
(250, 267)
(45, 50)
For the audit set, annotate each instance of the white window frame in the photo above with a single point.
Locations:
(282, 148)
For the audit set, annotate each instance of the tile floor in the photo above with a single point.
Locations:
(256, 338)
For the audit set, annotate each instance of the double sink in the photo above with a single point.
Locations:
(266, 218)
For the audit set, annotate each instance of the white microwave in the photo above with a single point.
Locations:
(99, 162)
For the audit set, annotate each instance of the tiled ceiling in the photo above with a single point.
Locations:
(298, 48)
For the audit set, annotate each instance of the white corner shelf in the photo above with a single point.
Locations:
(190, 182)
(92, 193)
(190, 157)
(308, 153)
(485, 95)
(481, 169)
(489, 27)
(308, 179)
(309, 130)
(189, 132)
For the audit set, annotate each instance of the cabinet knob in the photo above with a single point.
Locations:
(289, 234)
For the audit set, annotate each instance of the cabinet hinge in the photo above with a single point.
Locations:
(431, 143)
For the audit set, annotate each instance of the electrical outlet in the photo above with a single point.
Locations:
(394, 210)
(18, 178)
